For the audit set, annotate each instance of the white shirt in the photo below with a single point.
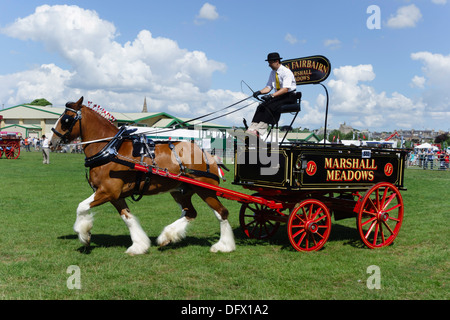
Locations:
(45, 143)
(286, 78)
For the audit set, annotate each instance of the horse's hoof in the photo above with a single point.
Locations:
(136, 250)
(85, 239)
(164, 243)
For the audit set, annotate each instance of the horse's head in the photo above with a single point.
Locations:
(66, 128)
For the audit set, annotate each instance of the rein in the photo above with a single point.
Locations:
(175, 127)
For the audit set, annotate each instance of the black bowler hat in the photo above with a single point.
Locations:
(273, 56)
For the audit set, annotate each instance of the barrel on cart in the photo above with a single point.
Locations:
(9, 145)
(316, 181)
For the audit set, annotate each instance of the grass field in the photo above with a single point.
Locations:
(38, 245)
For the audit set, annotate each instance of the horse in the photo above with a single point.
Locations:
(113, 182)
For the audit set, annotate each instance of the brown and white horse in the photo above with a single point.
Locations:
(113, 182)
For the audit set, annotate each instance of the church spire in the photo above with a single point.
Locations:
(144, 108)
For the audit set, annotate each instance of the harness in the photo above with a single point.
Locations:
(142, 147)
(67, 123)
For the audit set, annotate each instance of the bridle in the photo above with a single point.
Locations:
(67, 124)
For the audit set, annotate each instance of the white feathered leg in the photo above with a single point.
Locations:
(173, 232)
(226, 242)
(141, 242)
(85, 221)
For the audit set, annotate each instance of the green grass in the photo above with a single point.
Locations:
(38, 244)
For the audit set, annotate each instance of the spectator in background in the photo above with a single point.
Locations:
(27, 144)
(45, 150)
(447, 160)
(428, 158)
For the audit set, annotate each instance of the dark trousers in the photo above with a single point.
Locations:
(269, 111)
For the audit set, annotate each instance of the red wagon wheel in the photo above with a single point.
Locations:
(12, 150)
(380, 215)
(255, 220)
(309, 225)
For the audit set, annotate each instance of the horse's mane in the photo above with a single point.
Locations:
(102, 112)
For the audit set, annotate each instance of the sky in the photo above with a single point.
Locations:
(390, 59)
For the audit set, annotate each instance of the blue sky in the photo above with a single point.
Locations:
(189, 57)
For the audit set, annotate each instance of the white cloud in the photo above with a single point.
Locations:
(436, 66)
(332, 43)
(117, 75)
(362, 107)
(418, 82)
(47, 81)
(436, 73)
(407, 17)
(439, 1)
(207, 12)
(290, 38)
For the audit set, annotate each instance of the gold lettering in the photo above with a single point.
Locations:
(348, 164)
(328, 163)
(374, 166)
(330, 175)
(364, 175)
(350, 175)
(362, 165)
(337, 175)
(335, 163)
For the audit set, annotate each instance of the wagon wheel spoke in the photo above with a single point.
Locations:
(254, 220)
(299, 243)
(368, 221)
(383, 238)
(388, 227)
(383, 200)
(393, 208)
(373, 205)
(377, 197)
(375, 235)
(298, 233)
(321, 218)
(366, 236)
(388, 202)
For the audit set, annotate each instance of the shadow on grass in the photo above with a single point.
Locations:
(124, 241)
(349, 236)
(101, 241)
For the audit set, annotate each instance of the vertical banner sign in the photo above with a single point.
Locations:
(314, 69)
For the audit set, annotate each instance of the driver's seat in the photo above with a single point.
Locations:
(288, 108)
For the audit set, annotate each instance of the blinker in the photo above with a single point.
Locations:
(67, 121)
